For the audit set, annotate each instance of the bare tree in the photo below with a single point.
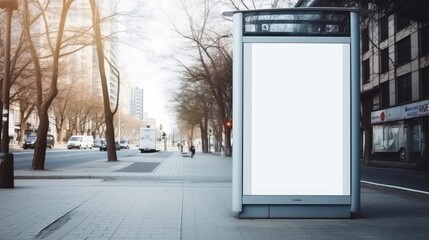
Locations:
(130, 126)
(44, 96)
(21, 74)
(97, 118)
(211, 64)
(24, 96)
(108, 113)
(256, 4)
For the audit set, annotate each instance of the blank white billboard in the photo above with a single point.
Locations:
(296, 129)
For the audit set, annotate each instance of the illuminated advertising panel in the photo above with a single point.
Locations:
(296, 111)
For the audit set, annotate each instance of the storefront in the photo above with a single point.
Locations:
(401, 133)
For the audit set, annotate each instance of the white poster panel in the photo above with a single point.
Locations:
(296, 129)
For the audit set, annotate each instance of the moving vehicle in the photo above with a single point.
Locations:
(31, 139)
(97, 142)
(124, 144)
(103, 146)
(80, 141)
(149, 140)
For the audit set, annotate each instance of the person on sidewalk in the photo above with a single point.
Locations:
(192, 149)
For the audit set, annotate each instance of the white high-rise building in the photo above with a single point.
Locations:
(136, 104)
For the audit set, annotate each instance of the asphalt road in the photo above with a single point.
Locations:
(60, 158)
(404, 178)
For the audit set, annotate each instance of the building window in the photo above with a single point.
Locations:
(384, 28)
(424, 83)
(365, 40)
(403, 89)
(424, 40)
(365, 71)
(402, 23)
(384, 60)
(384, 95)
(403, 51)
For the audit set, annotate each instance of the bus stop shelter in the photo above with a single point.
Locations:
(296, 112)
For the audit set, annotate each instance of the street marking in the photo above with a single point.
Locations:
(395, 187)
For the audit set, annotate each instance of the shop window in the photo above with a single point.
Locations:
(403, 89)
(384, 137)
(424, 83)
(365, 40)
(384, 28)
(403, 51)
(402, 23)
(384, 95)
(424, 40)
(365, 71)
(384, 60)
(393, 138)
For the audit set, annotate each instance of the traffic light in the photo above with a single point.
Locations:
(228, 124)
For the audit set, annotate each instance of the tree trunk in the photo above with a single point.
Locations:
(110, 137)
(204, 138)
(60, 131)
(110, 130)
(45, 101)
(23, 126)
(228, 148)
(1, 122)
(40, 145)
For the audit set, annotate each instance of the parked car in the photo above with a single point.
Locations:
(80, 141)
(31, 139)
(97, 142)
(103, 146)
(124, 144)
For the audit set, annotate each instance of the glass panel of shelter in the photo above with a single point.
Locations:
(297, 24)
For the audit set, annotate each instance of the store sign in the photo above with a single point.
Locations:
(423, 108)
(378, 116)
(409, 111)
(412, 110)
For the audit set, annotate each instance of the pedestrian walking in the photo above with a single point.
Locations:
(192, 149)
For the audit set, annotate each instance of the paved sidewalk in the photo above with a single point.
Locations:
(182, 198)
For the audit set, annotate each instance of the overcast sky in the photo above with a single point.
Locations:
(145, 55)
(151, 42)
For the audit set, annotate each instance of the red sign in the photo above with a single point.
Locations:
(382, 116)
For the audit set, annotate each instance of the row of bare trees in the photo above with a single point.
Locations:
(42, 74)
(204, 97)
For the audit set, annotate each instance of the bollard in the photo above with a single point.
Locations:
(6, 170)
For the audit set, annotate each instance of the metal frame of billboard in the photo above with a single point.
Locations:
(296, 26)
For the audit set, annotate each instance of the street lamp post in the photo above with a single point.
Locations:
(6, 158)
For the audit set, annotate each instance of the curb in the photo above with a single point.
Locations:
(60, 177)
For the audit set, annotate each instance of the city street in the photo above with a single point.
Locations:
(61, 157)
(296, 91)
(403, 178)
(168, 195)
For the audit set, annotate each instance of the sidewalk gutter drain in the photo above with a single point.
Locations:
(144, 167)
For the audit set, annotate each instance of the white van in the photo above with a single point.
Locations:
(80, 141)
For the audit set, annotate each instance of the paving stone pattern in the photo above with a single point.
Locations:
(182, 198)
